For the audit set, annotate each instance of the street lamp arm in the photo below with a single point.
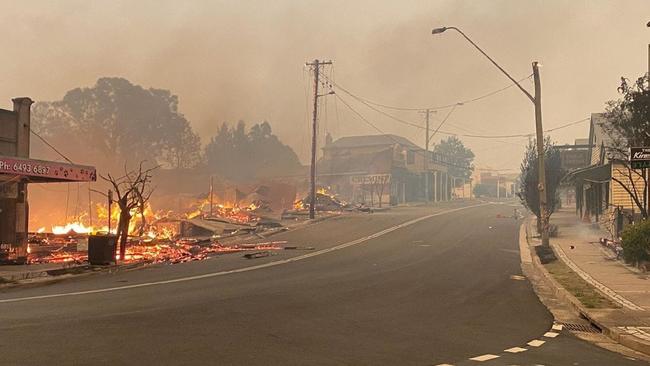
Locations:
(532, 99)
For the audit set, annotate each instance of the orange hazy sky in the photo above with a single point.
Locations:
(232, 60)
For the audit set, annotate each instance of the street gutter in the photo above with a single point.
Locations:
(609, 328)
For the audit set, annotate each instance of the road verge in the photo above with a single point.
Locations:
(612, 321)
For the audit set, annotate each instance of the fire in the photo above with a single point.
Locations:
(73, 227)
(226, 210)
(150, 230)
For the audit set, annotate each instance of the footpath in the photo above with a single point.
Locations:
(577, 245)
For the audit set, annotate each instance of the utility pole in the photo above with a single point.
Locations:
(427, 113)
(90, 212)
(110, 202)
(537, 100)
(498, 185)
(316, 64)
(211, 194)
(645, 171)
(540, 154)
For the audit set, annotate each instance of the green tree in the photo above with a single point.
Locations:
(460, 157)
(628, 125)
(529, 178)
(636, 242)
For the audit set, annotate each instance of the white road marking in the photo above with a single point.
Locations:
(550, 334)
(245, 269)
(484, 358)
(517, 277)
(515, 350)
(444, 364)
(557, 327)
(536, 343)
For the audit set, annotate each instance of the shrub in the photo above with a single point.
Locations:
(636, 242)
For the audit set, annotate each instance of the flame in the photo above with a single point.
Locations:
(73, 227)
(149, 229)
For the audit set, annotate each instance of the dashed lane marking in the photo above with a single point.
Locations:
(536, 343)
(484, 358)
(515, 350)
(554, 332)
(247, 269)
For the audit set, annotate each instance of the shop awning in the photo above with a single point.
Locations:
(41, 171)
(594, 173)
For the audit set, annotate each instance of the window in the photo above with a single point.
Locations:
(410, 157)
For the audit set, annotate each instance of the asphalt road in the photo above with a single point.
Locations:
(411, 286)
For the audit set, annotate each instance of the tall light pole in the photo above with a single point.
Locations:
(537, 101)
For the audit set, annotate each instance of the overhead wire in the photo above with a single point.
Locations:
(408, 123)
(444, 132)
(471, 100)
(50, 146)
(443, 121)
(365, 120)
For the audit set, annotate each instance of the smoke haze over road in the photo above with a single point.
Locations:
(232, 60)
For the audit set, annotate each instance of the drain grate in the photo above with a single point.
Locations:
(585, 328)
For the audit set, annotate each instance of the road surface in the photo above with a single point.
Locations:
(410, 286)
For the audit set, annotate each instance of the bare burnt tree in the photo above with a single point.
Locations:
(628, 125)
(133, 191)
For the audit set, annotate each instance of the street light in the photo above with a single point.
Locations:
(537, 101)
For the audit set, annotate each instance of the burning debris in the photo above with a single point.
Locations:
(200, 229)
(157, 236)
(326, 201)
(60, 250)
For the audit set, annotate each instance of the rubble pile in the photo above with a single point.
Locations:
(325, 202)
(71, 250)
(196, 231)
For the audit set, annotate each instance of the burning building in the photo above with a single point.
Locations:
(17, 170)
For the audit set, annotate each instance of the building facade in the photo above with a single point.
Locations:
(601, 189)
(383, 169)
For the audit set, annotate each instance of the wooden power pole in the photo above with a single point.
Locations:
(427, 113)
(316, 64)
(543, 214)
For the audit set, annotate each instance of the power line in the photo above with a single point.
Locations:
(469, 134)
(408, 123)
(443, 121)
(424, 108)
(568, 124)
(364, 119)
(50, 145)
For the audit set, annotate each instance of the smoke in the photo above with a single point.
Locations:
(244, 60)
